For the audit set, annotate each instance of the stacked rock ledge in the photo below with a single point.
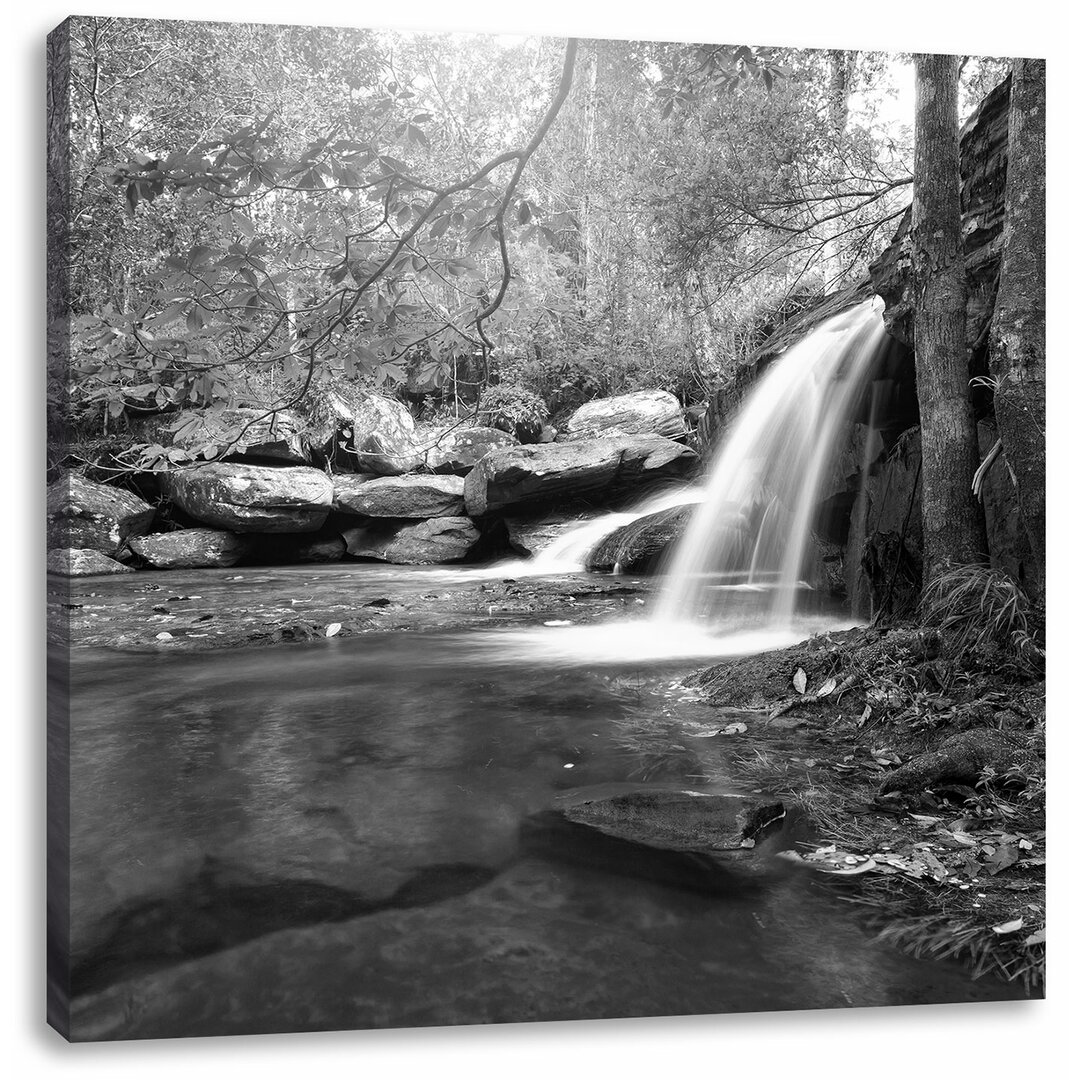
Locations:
(414, 496)
(252, 498)
(596, 469)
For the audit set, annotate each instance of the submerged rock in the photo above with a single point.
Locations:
(82, 514)
(252, 498)
(437, 540)
(638, 548)
(597, 469)
(400, 496)
(681, 820)
(644, 412)
(191, 548)
(82, 562)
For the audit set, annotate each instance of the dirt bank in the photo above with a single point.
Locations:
(924, 773)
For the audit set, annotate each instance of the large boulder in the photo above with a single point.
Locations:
(599, 470)
(384, 436)
(82, 562)
(82, 514)
(416, 496)
(638, 548)
(189, 548)
(437, 540)
(644, 412)
(252, 498)
(457, 450)
(247, 433)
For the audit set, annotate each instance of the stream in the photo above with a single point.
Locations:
(349, 833)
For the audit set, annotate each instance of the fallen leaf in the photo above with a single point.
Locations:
(1009, 927)
(864, 717)
(333, 628)
(799, 681)
(1037, 938)
(848, 870)
(1005, 856)
(827, 687)
(734, 729)
(164, 636)
(557, 622)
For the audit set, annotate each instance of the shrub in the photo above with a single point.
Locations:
(514, 409)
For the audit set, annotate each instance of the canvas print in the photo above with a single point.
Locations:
(539, 529)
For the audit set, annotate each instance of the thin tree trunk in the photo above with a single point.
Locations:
(953, 527)
(1018, 334)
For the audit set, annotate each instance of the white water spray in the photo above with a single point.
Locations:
(753, 527)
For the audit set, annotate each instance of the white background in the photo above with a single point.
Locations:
(986, 1041)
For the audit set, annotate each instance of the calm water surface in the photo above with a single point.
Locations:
(342, 822)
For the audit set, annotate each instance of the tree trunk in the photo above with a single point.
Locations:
(953, 526)
(1018, 334)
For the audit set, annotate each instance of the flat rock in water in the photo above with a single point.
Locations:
(639, 547)
(414, 496)
(252, 498)
(437, 540)
(644, 412)
(679, 820)
(457, 450)
(597, 469)
(191, 548)
(82, 562)
(82, 514)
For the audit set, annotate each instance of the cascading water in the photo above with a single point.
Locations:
(752, 529)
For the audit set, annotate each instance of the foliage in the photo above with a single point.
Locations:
(316, 203)
(513, 409)
(976, 606)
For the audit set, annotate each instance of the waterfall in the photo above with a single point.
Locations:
(752, 529)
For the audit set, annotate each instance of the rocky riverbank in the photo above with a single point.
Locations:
(921, 769)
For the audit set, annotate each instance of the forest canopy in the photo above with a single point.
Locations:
(259, 214)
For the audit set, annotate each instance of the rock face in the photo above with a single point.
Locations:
(384, 436)
(400, 496)
(437, 540)
(82, 514)
(639, 548)
(191, 548)
(595, 469)
(457, 450)
(892, 553)
(983, 157)
(82, 562)
(644, 412)
(252, 498)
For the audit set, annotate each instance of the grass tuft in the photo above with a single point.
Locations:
(978, 607)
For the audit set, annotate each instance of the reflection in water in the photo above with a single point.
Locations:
(370, 793)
